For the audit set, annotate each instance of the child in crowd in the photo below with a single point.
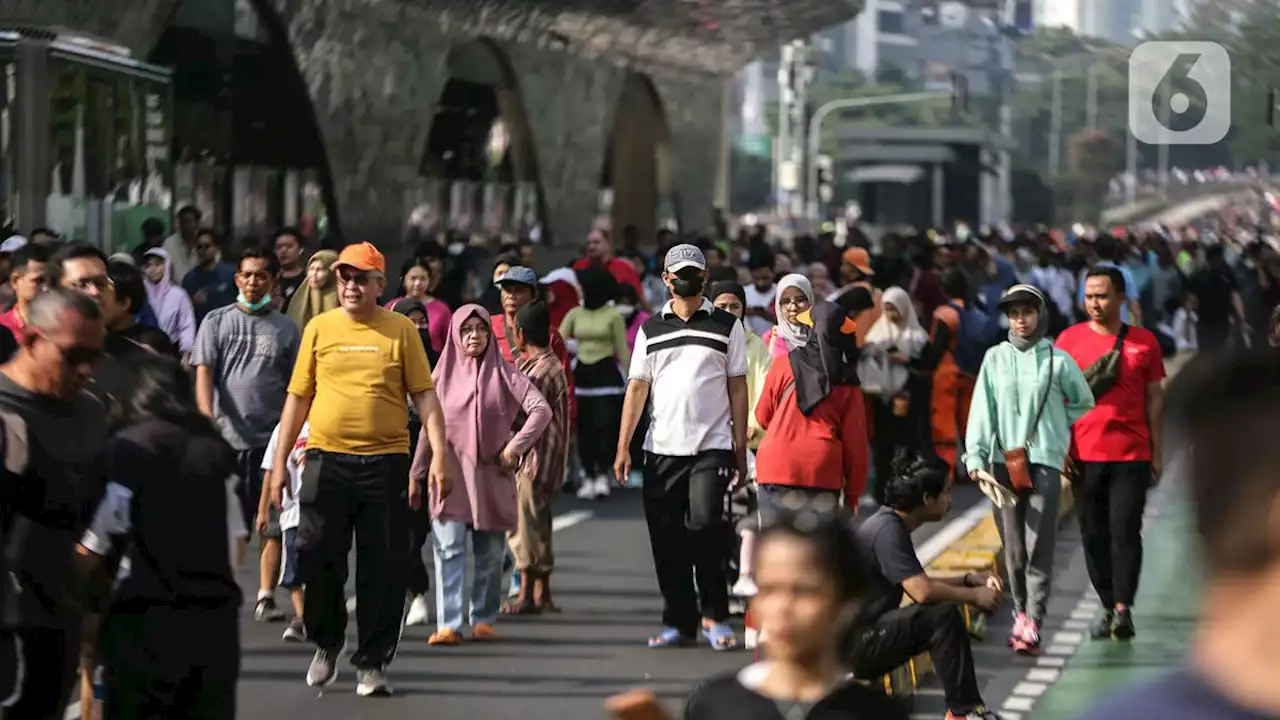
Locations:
(290, 518)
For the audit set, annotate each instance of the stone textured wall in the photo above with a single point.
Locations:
(375, 70)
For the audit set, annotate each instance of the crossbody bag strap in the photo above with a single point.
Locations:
(1048, 390)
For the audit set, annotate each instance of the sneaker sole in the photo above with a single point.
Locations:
(295, 637)
(379, 691)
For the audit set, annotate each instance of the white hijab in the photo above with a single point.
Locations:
(794, 335)
(876, 373)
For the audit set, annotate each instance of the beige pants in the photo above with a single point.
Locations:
(531, 542)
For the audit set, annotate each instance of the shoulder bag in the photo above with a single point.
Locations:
(1103, 373)
(1016, 461)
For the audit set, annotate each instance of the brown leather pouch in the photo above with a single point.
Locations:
(901, 404)
(1019, 467)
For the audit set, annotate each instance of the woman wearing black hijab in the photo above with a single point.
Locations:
(420, 519)
(812, 411)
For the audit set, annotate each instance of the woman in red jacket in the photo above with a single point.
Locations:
(815, 424)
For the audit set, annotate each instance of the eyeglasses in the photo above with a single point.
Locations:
(795, 302)
(467, 330)
(99, 282)
(357, 278)
(75, 355)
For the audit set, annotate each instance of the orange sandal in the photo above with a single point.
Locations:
(483, 631)
(445, 637)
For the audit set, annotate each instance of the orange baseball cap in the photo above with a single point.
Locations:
(362, 256)
(859, 258)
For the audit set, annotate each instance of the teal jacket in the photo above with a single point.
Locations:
(1005, 399)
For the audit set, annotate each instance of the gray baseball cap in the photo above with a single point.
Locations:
(518, 274)
(683, 256)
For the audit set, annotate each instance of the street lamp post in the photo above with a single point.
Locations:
(815, 130)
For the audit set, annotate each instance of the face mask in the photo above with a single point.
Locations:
(254, 307)
(625, 310)
(687, 287)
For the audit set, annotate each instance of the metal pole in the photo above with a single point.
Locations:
(1162, 169)
(1092, 107)
(784, 129)
(1055, 130)
(815, 125)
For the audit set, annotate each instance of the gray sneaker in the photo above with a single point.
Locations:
(324, 668)
(372, 682)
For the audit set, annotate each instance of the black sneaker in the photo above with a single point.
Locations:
(1123, 628)
(296, 632)
(266, 610)
(1101, 628)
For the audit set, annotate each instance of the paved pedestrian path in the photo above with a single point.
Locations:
(1166, 611)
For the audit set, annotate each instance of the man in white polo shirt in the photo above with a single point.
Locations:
(691, 359)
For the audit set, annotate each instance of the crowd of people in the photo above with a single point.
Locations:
(307, 402)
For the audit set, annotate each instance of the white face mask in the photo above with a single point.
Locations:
(625, 310)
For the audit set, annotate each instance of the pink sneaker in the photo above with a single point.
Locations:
(1019, 627)
(1028, 643)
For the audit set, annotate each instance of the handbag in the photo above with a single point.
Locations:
(1016, 461)
(1103, 373)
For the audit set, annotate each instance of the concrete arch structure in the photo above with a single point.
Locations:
(637, 163)
(375, 69)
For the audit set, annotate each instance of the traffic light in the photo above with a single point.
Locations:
(826, 179)
(959, 92)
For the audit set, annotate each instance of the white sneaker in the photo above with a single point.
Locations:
(744, 588)
(587, 489)
(419, 611)
(372, 683)
(351, 604)
(602, 486)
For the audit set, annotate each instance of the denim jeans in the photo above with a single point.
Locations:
(449, 540)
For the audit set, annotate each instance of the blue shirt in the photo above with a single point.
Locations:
(1131, 291)
(218, 284)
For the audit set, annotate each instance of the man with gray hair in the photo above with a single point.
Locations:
(54, 432)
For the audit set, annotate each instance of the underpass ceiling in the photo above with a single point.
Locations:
(716, 36)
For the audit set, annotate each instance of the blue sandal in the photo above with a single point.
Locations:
(669, 637)
(721, 637)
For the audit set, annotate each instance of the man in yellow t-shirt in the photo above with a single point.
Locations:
(356, 364)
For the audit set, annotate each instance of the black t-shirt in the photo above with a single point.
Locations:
(1183, 695)
(178, 534)
(1213, 288)
(65, 438)
(151, 337)
(287, 287)
(726, 698)
(889, 557)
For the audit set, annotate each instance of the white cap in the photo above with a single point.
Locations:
(13, 244)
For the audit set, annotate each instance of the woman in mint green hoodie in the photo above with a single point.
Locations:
(1027, 396)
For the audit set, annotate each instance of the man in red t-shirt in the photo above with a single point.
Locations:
(519, 286)
(1116, 447)
(600, 250)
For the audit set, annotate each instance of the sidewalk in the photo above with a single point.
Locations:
(1165, 613)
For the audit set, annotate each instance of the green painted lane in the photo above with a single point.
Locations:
(1165, 614)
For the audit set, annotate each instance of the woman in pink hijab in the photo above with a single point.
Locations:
(493, 415)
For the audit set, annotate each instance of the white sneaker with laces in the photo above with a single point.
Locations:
(372, 683)
(419, 611)
(602, 486)
(587, 489)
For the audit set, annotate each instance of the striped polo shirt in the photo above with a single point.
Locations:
(687, 365)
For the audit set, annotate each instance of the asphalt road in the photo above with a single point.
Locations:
(554, 667)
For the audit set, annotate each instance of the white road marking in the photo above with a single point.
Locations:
(952, 532)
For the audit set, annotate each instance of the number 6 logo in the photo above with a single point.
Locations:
(1184, 84)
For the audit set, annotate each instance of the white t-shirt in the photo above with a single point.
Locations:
(290, 516)
(757, 299)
